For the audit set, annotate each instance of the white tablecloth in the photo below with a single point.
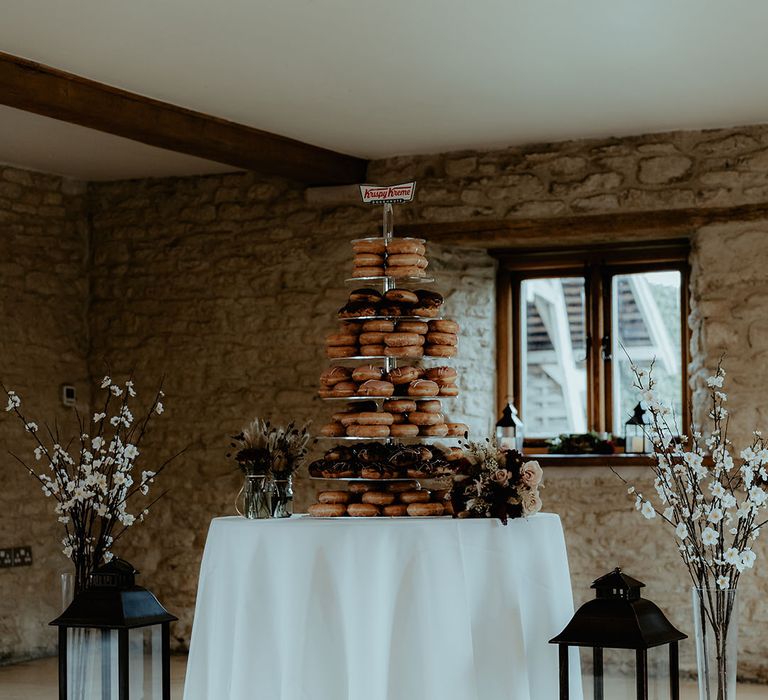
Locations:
(359, 609)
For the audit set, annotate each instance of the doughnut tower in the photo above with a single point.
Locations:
(388, 378)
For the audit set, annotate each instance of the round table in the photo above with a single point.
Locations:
(375, 609)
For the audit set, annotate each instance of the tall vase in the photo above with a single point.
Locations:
(716, 621)
(282, 498)
(256, 498)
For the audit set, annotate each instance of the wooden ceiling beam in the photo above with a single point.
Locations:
(37, 88)
(584, 229)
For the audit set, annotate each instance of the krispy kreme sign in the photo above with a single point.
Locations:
(393, 194)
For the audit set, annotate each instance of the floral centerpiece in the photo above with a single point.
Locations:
(268, 456)
(93, 477)
(715, 503)
(496, 483)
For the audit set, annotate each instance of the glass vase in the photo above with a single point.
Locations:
(255, 496)
(716, 622)
(282, 498)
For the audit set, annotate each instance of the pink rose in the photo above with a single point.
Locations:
(501, 477)
(531, 502)
(531, 474)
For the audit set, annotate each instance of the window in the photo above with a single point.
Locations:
(570, 321)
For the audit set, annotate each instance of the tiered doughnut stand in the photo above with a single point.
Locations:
(441, 449)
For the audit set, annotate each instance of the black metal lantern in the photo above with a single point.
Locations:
(509, 429)
(636, 432)
(619, 618)
(114, 640)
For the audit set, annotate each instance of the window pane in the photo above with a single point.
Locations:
(646, 321)
(553, 331)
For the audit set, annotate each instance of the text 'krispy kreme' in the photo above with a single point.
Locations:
(374, 194)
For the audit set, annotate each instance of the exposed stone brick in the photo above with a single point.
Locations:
(662, 169)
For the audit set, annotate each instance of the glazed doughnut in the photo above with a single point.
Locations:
(368, 272)
(333, 430)
(425, 311)
(358, 487)
(401, 296)
(338, 339)
(378, 326)
(406, 271)
(442, 375)
(370, 473)
(403, 375)
(348, 419)
(415, 496)
(368, 431)
(375, 338)
(412, 327)
(454, 453)
(398, 418)
(404, 430)
(401, 486)
(444, 326)
(372, 350)
(407, 352)
(325, 392)
(395, 511)
(441, 350)
(423, 387)
(398, 246)
(350, 327)
(429, 298)
(374, 387)
(333, 497)
(457, 429)
(400, 406)
(421, 510)
(335, 351)
(356, 309)
(327, 510)
(344, 389)
(449, 390)
(369, 245)
(362, 510)
(442, 338)
(374, 418)
(432, 406)
(406, 260)
(400, 340)
(438, 430)
(379, 498)
(369, 260)
(424, 418)
(334, 375)
(365, 294)
(365, 372)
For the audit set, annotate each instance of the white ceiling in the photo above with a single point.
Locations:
(417, 76)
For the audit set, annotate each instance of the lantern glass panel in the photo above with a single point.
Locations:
(646, 326)
(145, 655)
(619, 669)
(92, 660)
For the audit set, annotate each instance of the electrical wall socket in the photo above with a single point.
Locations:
(22, 556)
(6, 558)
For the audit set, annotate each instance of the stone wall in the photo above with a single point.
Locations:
(43, 343)
(226, 285)
(719, 167)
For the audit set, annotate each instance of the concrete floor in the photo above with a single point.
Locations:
(36, 680)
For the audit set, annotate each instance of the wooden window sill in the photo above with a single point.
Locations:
(591, 460)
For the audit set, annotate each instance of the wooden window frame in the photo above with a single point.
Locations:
(597, 265)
